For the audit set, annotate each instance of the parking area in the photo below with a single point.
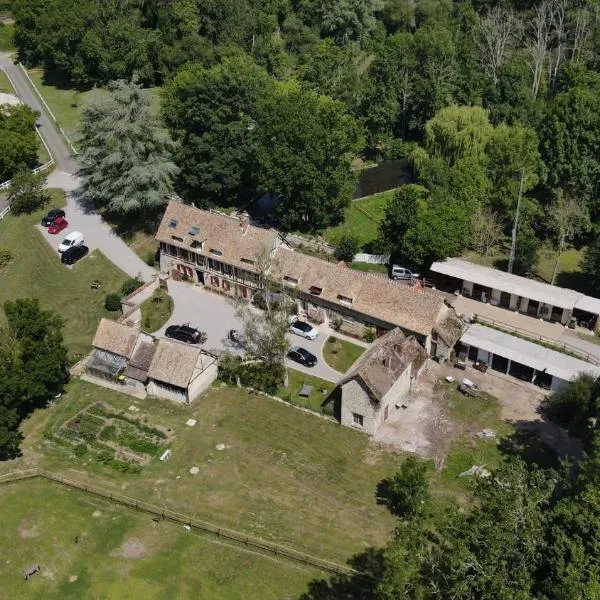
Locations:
(215, 315)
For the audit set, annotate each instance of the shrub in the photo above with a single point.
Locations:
(409, 488)
(336, 324)
(370, 336)
(150, 258)
(112, 302)
(130, 285)
(347, 246)
(5, 257)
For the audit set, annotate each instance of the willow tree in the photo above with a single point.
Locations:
(126, 163)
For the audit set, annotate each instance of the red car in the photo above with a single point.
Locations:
(58, 225)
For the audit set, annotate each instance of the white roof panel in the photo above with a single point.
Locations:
(527, 353)
(507, 282)
(588, 304)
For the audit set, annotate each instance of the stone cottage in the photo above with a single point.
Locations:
(380, 381)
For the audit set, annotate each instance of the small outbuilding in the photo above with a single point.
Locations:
(113, 347)
(380, 381)
(180, 372)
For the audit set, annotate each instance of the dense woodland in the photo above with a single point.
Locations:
(484, 101)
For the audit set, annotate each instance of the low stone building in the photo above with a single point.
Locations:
(380, 381)
(180, 372)
(113, 344)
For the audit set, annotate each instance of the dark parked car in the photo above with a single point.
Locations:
(302, 356)
(185, 333)
(52, 214)
(72, 255)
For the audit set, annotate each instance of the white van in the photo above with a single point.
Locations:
(75, 238)
(403, 273)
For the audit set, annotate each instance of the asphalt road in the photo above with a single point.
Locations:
(54, 140)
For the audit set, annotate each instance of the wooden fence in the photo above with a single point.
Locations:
(242, 539)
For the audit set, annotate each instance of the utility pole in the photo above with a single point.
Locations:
(515, 229)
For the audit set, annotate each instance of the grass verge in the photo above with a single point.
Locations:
(362, 218)
(120, 553)
(296, 381)
(340, 354)
(7, 37)
(35, 270)
(156, 310)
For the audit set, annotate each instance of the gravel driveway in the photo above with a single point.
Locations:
(215, 315)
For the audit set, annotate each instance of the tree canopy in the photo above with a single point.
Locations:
(125, 161)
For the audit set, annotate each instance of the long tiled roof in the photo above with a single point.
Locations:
(174, 363)
(413, 308)
(223, 237)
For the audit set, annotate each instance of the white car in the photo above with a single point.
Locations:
(304, 330)
(75, 238)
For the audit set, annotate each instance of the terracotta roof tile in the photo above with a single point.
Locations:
(412, 308)
(188, 227)
(115, 337)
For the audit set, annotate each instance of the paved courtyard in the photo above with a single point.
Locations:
(215, 314)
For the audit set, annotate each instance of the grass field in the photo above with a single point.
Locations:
(156, 311)
(36, 270)
(7, 42)
(298, 379)
(67, 104)
(5, 85)
(123, 554)
(341, 355)
(362, 218)
(284, 475)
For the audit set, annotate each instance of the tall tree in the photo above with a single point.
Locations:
(212, 113)
(18, 140)
(306, 144)
(493, 39)
(125, 161)
(27, 192)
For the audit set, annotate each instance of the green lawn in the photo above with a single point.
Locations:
(122, 554)
(341, 355)
(37, 271)
(67, 104)
(298, 379)
(5, 85)
(156, 311)
(362, 218)
(371, 268)
(284, 475)
(7, 42)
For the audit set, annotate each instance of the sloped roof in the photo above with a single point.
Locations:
(507, 282)
(115, 337)
(231, 236)
(411, 307)
(527, 353)
(449, 328)
(385, 361)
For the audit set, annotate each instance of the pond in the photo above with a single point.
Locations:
(387, 175)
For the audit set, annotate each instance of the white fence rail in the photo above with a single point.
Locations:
(6, 184)
(372, 259)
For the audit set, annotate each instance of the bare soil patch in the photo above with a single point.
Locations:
(27, 531)
(133, 549)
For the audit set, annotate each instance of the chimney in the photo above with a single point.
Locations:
(244, 223)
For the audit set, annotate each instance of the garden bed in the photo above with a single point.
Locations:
(112, 438)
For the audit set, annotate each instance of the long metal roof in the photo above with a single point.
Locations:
(514, 284)
(527, 353)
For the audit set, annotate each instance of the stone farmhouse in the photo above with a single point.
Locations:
(229, 255)
(140, 363)
(380, 381)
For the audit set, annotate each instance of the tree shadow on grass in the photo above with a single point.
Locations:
(541, 443)
(385, 497)
(346, 587)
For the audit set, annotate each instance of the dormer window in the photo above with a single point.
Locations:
(193, 231)
(247, 261)
(291, 280)
(216, 252)
(173, 223)
(196, 244)
(344, 299)
(315, 290)
(176, 238)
